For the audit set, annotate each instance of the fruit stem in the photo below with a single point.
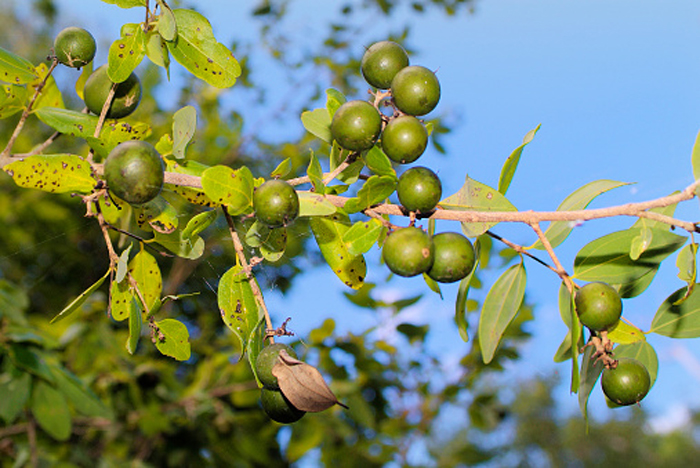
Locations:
(238, 247)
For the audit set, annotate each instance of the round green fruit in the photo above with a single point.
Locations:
(381, 62)
(416, 90)
(74, 47)
(626, 384)
(126, 97)
(408, 251)
(356, 125)
(404, 139)
(598, 306)
(134, 172)
(266, 360)
(454, 257)
(419, 189)
(276, 203)
(278, 408)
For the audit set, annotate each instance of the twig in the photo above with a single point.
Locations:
(521, 250)
(39, 149)
(31, 438)
(23, 119)
(559, 270)
(238, 247)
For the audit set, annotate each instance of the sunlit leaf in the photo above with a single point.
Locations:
(375, 190)
(127, 3)
(641, 242)
(160, 215)
(198, 51)
(233, 188)
(15, 69)
(334, 99)
(172, 339)
(378, 162)
(145, 270)
(55, 173)
(500, 308)
(135, 326)
(184, 126)
(329, 232)
(126, 53)
(625, 333)
(12, 100)
(687, 267)
(189, 167)
(315, 174)
(678, 320)
(511, 164)
(237, 304)
(157, 51)
(80, 300)
(167, 26)
(475, 196)
(50, 94)
(318, 123)
(590, 371)
(362, 236)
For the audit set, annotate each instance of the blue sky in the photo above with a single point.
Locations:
(615, 86)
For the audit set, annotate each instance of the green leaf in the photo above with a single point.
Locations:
(475, 196)
(687, 266)
(55, 173)
(196, 49)
(233, 188)
(271, 242)
(15, 393)
(329, 233)
(570, 318)
(590, 371)
(311, 204)
(15, 69)
(678, 320)
(189, 167)
(123, 264)
(135, 327)
(24, 358)
(127, 3)
(79, 395)
(199, 223)
(126, 53)
(115, 132)
(50, 94)
(362, 236)
(511, 164)
(157, 51)
(283, 169)
(144, 269)
(315, 174)
(189, 247)
(625, 333)
(375, 190)
(121, 300)
(334, 99)
(607, 259)
(643, 352)
(463, 295)
(500, 307)
(51, 411)
(167, 26)
(558, 231)
(172, 339)
(12, 99)
(237, 304)
(664, 210)
(80, 300)
(378, 162)
(641, 242)
(184, 126)
(695, 159)
(160, 215)
(318, 123)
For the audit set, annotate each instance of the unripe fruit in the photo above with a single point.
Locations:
(454, 257)
(404, 139)
(74, 47)
(416, 90)
(266, 360)
(408, 251)
(134, 172)
(626, 384)
(126, 96)
(419, 189)
(276, 203)
(381, 62)
(356, 125)
(598, 306)
(278, 408)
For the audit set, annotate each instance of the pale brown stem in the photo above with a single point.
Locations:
(238, 247)
(559, 268)
(23, 119)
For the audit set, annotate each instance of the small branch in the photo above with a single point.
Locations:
(238, 247)
(23, 119)
(31, 438)
(521, 250)
(559, 270)
(39, 149)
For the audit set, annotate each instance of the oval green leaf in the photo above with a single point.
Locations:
(511, 164)
(233, 188)
(678, 320)
(237, 304)
(126, 53)
(55, 173)
(15, 69)
(50, 409)
(184, 126)
(172, 339)
(329, 232)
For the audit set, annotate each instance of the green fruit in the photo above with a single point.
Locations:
(404, 139)
(454, 257)
(278, 408)
(381, 62)
(74, 47)
(598, 306)
(626, 384)
(356, 125)
(276, 203)
(134, 172)
(266, 360)
(408, 251)
(419, 189)
(126, 97)
(416, 90)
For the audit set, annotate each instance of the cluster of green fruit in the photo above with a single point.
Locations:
(625, 381)
(133, 170)
(273, 401)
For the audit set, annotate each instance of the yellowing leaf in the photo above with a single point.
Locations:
(172, 339)
(329, 232)
(126, 53)
(55, 173)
